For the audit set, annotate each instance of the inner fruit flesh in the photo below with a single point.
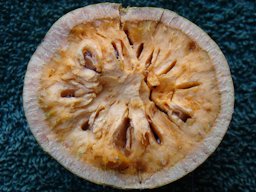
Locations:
(134, 97)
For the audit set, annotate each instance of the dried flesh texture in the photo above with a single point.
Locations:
(134, 98)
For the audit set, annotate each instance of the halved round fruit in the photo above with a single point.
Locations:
(128, 97)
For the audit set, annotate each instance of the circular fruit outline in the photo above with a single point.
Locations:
(142, 102)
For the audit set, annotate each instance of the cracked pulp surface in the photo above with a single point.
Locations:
(132, 96)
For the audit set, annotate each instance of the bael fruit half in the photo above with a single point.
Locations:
(128, 97)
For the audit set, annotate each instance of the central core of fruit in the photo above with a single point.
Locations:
(131, 96)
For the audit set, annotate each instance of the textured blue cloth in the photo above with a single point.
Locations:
(23, 164)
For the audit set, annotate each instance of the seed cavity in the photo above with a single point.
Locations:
(188, 85)
(128, 37)
(122, 137)
(155, 132)
(149, 59)
(128, 138)
(139, 50)
(101, 35)
(88, 60)
(116, 50)
(168, 67)
(85, 125)
(68, 93)
(181, 114)
(96, 114)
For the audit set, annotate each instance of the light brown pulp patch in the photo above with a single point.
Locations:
(131, 96)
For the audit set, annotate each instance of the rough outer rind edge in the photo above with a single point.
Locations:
(56, 38)
(141, 14)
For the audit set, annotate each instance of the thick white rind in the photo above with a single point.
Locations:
(57, 37)
(141, 14)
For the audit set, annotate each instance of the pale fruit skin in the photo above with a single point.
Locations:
(56, 38)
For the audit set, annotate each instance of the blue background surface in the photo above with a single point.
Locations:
(23, 164)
